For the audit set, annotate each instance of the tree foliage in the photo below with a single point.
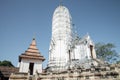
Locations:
(107, 52)
(6, 63)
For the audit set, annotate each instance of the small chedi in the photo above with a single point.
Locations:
(70, 57)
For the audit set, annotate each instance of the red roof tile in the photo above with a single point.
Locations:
(32, 52)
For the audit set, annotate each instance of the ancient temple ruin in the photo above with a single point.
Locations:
(70, 57)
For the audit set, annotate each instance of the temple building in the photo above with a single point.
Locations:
(70, 57)
(31, 60)
(65, 45)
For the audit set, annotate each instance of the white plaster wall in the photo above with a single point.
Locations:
(77, 52)
(60, 54)
(37, 67)
(88, 52)
(82, 51)
(24, 65)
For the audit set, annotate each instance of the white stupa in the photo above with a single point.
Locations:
(61, 38)
(65, 46)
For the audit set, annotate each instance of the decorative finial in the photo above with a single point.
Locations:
(34, 36)
(60, 2)
(87, 34)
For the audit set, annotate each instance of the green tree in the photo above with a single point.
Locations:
(6, 63)
(107, 52)
(118, 62)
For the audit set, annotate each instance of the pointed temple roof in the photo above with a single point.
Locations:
(32, 52)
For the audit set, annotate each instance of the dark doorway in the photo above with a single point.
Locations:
(91, 50)
(31, 66)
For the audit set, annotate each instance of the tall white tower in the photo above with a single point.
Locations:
(61, 38)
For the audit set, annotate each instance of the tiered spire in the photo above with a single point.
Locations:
(32, 52)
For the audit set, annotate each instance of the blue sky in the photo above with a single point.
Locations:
(20, 20)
